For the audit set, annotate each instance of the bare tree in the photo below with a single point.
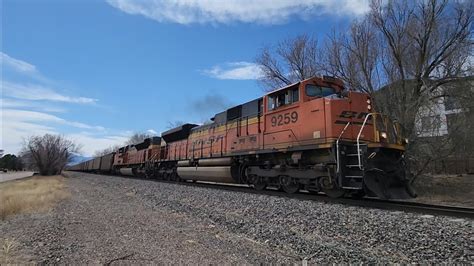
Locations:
(173, 124)
(292, 60)
(354, 57)
(49, 153)
(106, 151)
(404, 53)
(425, 42)
(137, 138)
(425, 46)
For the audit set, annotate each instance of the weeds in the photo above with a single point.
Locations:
(8, 249)
(37, 193)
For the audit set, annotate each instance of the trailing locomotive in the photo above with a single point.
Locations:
(311, 135)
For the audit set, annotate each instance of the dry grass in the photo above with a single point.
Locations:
(8, 250)
(33, 194)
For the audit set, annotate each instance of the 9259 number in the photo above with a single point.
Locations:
(284, 119)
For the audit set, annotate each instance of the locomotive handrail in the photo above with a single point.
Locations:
(337, 147)
(360, 133)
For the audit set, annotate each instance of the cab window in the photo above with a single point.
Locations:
(283, 98)
(318, 91)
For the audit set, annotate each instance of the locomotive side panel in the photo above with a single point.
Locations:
(351, 110)
(176, 150)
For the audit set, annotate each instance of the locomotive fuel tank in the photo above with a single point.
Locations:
(126, 171)
(221, 174)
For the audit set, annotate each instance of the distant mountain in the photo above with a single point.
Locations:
(78, 158)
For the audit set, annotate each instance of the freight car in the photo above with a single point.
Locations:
(313, 135)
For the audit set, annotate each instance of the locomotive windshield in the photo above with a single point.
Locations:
(318, 91)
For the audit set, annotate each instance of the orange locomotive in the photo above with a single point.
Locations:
(311, 135)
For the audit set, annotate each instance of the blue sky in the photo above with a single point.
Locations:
(96, 71)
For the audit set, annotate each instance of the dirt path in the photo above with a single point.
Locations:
(14, 175)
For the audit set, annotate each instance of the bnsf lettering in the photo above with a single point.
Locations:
(284, 119)
(352, 114)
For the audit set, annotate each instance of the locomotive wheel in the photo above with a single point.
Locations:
(312, 188)
(289, 185)
(330, 188)
(149, 174)
(243, 173)
(258, 182)
(173, 176)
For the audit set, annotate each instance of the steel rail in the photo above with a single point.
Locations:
(374, 203)
(396, 205)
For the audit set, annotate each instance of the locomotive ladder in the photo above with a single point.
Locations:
(349, 163)
(355, 170)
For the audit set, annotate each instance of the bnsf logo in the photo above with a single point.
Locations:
(352, 114)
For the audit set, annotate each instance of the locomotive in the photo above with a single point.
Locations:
(312, 135)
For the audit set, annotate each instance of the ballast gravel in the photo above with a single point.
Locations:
(111, 220)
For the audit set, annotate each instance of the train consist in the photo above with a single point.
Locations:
(313, 135)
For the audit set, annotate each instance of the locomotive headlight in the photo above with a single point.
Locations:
(369, 107)
(368, 101)
(383, 135)
(405, 141)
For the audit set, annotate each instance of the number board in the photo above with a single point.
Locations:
(284, 119)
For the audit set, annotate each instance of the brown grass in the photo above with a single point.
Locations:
(7, 251)
(38, 193)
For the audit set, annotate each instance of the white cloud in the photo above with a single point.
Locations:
(38, 92)
(20, 124)
(17, 64)
(91, 143)
(26, 107)
(247, 11)
(235, 70)
(15, 104)
(151, 131)
(14, 115)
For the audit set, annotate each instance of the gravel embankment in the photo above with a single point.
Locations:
(112, 219)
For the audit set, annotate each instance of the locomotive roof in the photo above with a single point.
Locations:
(247, 109)
(177, 133)
(286, 87)
(323, 78)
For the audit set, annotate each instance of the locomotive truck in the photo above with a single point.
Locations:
(313, 135)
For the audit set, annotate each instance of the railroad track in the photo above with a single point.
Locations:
(453, 211)
(395, 205)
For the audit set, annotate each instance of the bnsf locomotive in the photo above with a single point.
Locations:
(312, 135)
